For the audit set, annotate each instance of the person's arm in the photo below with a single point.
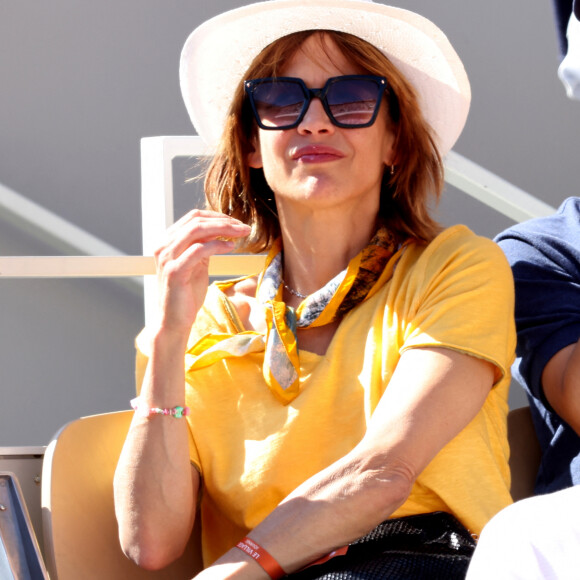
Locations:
(155, 485)
(433, 394)
(561, 384)
(543, 254)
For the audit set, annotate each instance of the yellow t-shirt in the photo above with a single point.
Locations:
(252, 451)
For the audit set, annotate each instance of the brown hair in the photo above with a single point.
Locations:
(232, 187)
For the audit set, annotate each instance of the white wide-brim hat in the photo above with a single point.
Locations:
(219, 52)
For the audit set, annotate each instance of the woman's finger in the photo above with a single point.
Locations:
(193, 263)
(202, 229)
(202, 214)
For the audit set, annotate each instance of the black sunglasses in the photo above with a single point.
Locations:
(350, 101)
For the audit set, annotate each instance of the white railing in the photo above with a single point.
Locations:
(492, 190)
(157, 154)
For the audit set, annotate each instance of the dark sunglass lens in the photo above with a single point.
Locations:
(353, 101)
(278, 103)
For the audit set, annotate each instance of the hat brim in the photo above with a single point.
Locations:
(217, 54)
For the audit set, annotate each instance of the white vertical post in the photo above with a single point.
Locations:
(157, 154)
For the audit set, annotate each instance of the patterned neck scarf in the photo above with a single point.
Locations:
(364, 276)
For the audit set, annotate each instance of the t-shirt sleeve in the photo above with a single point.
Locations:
(463, 300)
(545, 257)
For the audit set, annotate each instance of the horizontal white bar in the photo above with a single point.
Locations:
(75, 266)
(17, 451)
(114, 266)
(178, 145)
(492, 190)
(54, 230)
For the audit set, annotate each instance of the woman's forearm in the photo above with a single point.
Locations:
(328, 511)
(155, 485)
(424, 407)
(335, 507)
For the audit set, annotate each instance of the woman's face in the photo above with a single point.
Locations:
(318, 165)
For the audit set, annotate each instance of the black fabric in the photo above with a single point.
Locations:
(562, 11)
(432, 546)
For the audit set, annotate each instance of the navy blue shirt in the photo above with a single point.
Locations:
(544, 254)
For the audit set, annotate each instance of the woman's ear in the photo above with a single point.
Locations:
(255, 157)
(389, 153)
(388, 145)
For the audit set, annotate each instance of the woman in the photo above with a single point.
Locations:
(364, 374)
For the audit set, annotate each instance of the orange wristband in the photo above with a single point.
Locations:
(255, 551)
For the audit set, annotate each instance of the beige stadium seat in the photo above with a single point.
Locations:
(80, 529)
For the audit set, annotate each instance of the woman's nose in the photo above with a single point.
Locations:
(315, 119)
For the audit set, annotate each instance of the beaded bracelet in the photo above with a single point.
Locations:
(264, 558)
(143, 410)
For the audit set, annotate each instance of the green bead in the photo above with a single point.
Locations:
(178, 414)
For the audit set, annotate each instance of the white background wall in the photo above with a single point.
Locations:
(81, 82)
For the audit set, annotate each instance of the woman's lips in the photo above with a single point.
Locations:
(316, 154)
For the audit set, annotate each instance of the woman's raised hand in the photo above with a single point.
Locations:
(183, 263)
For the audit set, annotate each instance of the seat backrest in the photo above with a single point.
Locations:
(79, 524)
(525, 453)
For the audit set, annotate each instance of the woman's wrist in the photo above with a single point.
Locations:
(164, 381)
(143, 409)
(234, 564)
(260, 555)
(170, 339)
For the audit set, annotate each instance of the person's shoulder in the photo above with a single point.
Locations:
(458, 249)
(564, 221)
(549, 238)
(461, 234)
(460, 241)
